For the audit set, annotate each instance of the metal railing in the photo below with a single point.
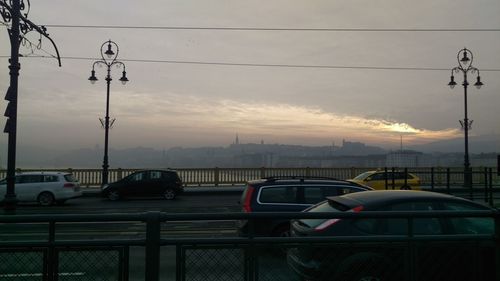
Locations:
(431, 176)
(156, 255)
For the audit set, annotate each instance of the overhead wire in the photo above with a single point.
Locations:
(269, 29)
(277, 29)
(262, 64)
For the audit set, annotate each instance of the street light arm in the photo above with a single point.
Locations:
(27, 25)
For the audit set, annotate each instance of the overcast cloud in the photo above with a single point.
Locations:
(184, 104)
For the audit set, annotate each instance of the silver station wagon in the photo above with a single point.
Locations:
(46, 188)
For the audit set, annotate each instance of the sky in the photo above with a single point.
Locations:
(261, 69)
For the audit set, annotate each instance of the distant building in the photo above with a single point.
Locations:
(404, 158)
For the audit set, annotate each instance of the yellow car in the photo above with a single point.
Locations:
(376, 180)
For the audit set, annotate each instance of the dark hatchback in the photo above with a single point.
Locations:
(287, 194)
(147, 183)
(439, 259)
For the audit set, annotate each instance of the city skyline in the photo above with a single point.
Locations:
(209, 71)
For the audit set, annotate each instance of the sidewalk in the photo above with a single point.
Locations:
(96, 191)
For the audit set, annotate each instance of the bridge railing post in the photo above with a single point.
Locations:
(152, 272)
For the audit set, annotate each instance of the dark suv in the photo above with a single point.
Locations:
(287, 194)
(147, 183)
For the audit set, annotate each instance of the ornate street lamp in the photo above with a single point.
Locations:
(109, 61)
(465, 66)
(14, 14)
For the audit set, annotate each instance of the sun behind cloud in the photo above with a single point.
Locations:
(295, 124)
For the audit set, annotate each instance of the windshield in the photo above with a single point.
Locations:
(70, 178)
(363, 176)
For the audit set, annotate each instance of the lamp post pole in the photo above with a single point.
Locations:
(14, 14)
(109, 62)
(465, 66)
(10, 199)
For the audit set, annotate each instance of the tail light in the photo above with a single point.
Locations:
(69, 185)
(326, 224)
(247, 203)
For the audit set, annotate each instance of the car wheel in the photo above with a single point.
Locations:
(46, 199)
(113, 195)
(169, 194)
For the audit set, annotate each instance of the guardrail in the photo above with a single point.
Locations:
(145, 255)
(430, 176)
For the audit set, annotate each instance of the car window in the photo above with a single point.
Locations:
(346, 190)
(50, 178)
(314, 194)
(155, 175)
(379, 176)
(30, 179)
(70, 178)
(397, 226)
(333, 190)
(278, 194)
(421, 226)
(362, 176)
(138, 176)
(469, 225)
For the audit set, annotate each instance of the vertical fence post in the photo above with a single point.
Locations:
(497, 245)
(432, 178)
(52, 263)
(406, 176)
(386, 179)
(308, 172)
(216, 176)
(393, 182)
(353, 173)
(448, 180)
(262, 172)
(120, 174)
(491, 187)
(152, 246)
(411, 251)
(486, 185)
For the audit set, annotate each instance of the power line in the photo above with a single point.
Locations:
(263, 65)
(278, 29)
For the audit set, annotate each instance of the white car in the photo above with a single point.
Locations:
(46, 188)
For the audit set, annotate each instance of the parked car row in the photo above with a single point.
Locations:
(50, 188)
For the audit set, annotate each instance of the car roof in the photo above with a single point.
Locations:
(382, 197)
(156, 170)
(43, 173)
(382, 171)
(297, 180)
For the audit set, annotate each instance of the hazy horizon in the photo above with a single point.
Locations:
(264, 70)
